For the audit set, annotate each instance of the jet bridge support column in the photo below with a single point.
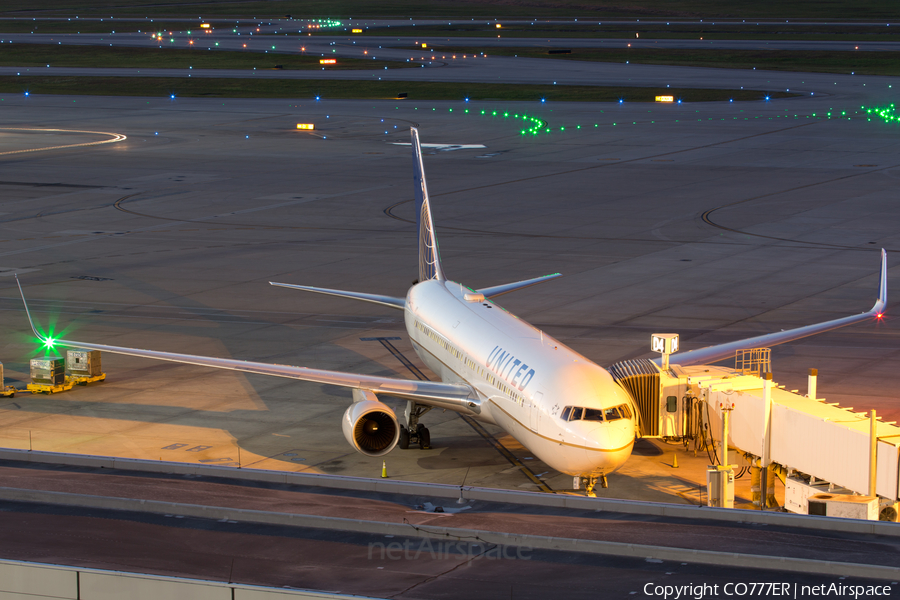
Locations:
(873, 452)
(766, 442)
(720, 478)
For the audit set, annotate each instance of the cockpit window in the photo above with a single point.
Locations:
(571, 413)
(592, 414)
(578, 413)
(617, 412)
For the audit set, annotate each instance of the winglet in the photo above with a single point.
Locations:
(881, 303)
(28, 312)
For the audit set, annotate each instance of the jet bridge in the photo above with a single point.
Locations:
(821, 447)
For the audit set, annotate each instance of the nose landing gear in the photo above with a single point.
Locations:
(589, 483)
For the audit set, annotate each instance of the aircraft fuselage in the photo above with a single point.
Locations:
(525, 379)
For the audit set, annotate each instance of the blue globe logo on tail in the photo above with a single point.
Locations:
(429, 256)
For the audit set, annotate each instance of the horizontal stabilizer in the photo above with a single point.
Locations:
(376, 298)
(499, 290)
(705, 356)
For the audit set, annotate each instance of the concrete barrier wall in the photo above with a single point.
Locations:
(115, 586)
(589, 546)
(437, 490)
(26, 581)
(20, 580)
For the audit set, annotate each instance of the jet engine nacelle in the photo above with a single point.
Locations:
(370, 426)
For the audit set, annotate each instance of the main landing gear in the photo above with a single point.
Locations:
(414, 432)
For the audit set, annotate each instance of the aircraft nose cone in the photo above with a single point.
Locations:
(615, 439)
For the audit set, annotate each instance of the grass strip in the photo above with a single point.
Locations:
(352, 90)
(832, 10)
(673, 30)
(40, 55)
(861, 63)
(107, 25)
(572, 29)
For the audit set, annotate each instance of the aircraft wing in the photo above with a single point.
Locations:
(713, 354)
(452, 396)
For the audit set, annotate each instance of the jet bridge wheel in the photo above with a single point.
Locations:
(403, 443)
(424, 437)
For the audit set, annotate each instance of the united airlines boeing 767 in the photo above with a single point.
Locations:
(493, 367)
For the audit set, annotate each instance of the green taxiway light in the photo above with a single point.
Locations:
(887, 114)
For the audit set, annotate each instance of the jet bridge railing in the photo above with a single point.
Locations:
(753, 361)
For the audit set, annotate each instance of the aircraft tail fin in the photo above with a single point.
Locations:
(429, 256)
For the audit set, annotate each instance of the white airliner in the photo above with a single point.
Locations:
(493, 366)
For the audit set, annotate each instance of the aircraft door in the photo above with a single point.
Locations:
(536, 404)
